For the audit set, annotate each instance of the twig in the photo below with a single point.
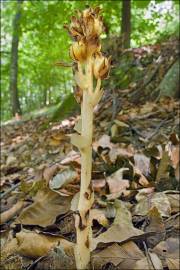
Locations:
(172, 217)
(13, 188)
(9, 190)
(63, 64)
(136, 131)
(144, 116)
(7, 215)
(156, 130)
(148, 257)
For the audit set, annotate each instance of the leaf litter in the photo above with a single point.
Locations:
(135, 176)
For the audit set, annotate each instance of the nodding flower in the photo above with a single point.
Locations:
(101, 66)
(78, 51)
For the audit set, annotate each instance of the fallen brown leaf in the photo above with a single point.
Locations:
(142, 163)
(155, 224)
(169, 250)
(174, 199)
(159, 199)
(123, 224)
(35, 245)
(7, 215)
(116, 182)
(46, 207)
(151, 263)
(124, 256)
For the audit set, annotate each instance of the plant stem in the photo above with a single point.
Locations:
(82, 221)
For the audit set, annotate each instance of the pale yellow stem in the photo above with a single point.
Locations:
(82, 221)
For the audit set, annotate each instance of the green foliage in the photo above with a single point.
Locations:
(66, 108)
(44, 41)
(141, 4)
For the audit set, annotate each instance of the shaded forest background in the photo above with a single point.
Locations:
(33, 39)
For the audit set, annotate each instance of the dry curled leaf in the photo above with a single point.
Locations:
(63, 178)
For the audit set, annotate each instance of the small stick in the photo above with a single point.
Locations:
(9, 190)
(156, 130)
(10, 213)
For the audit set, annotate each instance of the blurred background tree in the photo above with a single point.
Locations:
(33, 40)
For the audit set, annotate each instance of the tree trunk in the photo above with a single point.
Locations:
(13, 87)
(45, 96)
(126, 23)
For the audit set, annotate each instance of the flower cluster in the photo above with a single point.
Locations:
(86, 29)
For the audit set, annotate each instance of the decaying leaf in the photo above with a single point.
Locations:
(49, 172)
(124, 256)
(120, 150)
(142, 163)
(169, 250)
(98, 184)
(116, 182)
(74, 202)
(142, 179)
(8, 249)
(99, 215)
(174, 199)
(46, 207)
(155, 224)
(35, 245)
(123, 224)
(163, 172)
(11, 160)
(151, 263)
(63, 178)
(159, 199)
(103, 142)
(57, 259)
(72, 156)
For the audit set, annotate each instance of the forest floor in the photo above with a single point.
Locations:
(135, 177)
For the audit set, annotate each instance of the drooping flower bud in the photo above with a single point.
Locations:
(101, 66)
(78, 51)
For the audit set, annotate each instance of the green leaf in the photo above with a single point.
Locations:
(141, 4)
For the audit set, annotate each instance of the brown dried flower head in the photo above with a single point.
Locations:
(92, 23)
(85, 29)
(88, 24)
(78, 51)
(101, 66)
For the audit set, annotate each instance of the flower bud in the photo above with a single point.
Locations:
(78, 51)
(101, 66)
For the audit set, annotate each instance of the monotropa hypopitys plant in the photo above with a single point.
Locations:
(91, 68)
